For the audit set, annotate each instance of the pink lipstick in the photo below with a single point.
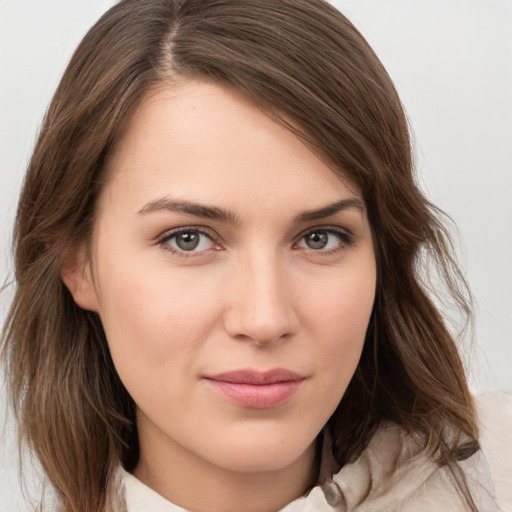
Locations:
(255, 389)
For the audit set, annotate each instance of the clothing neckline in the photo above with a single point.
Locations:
(324, 496)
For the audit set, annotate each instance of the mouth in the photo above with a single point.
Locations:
(255, 389)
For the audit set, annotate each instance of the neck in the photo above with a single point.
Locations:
(195, 484)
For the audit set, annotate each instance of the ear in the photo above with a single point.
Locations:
(76, 273)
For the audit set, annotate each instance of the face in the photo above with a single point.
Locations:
(234, 275)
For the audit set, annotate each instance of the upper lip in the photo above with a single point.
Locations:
(256, 377)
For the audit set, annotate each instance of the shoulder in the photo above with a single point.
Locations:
(390, 475)
(494, 411)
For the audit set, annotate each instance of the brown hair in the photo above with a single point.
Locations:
(306, 66)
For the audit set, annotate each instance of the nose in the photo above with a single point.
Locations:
(260, 305)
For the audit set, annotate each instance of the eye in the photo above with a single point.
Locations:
(325, 239)
(187, 240)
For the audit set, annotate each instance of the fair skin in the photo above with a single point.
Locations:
(272, 269)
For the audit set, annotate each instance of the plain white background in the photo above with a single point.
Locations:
(451, 61)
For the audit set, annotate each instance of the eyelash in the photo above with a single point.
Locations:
(163, 240)
(345, 237)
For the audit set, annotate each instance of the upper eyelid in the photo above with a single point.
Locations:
(169, 233)
(326, 227)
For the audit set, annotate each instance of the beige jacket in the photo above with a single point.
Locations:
(388, 478)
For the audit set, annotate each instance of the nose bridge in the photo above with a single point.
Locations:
(261, 302)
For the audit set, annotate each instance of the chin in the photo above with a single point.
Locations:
(262, 453)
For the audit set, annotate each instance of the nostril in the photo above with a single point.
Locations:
(260, 331)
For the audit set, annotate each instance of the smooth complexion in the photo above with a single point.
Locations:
(234, 274)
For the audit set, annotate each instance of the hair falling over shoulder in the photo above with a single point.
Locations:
(306, 66)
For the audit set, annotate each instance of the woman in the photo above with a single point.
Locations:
(219, 302)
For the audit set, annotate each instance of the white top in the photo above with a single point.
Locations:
(386, 477)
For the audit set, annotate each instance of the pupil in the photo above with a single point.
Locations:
(317, 240)
(187, 241)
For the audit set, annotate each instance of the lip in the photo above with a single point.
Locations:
(255, 389)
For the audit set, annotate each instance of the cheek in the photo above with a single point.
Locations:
(154, 318)
(339, 314)
(156, 329)
(342, 305)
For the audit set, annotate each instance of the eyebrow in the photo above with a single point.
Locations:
(216, 213)
(190, 208)
(330, 209)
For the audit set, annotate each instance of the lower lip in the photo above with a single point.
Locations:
(254, 396)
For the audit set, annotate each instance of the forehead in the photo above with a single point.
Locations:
(203, 141)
